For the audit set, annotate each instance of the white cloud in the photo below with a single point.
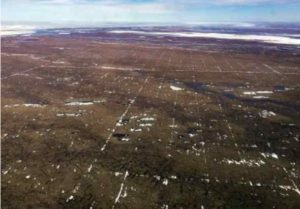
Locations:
(249, 2)
(163, 2)
(135, 11)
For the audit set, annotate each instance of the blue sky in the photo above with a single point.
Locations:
(92, 12)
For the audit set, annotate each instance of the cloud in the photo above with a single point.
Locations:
(226, 2)
(57, 2)
(162, 2)
(149, 10)
(249, 2)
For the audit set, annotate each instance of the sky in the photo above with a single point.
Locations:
(93, 12)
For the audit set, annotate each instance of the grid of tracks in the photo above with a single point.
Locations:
(87, 124)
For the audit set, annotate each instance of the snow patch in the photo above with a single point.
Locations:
(176, 88)
(243, 37)
(250, 163)
(78, 103)
(269, 155)
(24, 105)
(266, 114)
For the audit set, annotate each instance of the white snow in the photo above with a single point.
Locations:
(148, 119)
(119, 68)
(264, 92)
(90, 168)
(118, 173)
(165, 182)
(268, 155)
(13, 30)
(121, 188)
(249, 93)
(260, 97)
(99, 101)
(68, 114)
(75, 190)
(192, 135)
(288, 187)
(119, 123)
(70, 198)
(24, 105)
(254, 93)
(32, 105)
(145, 124)
(175, 88)
(243, 37)
(274, 155)
(124, 114)
(125, 139)
(173, 177)
(266, 114)
(5, 172)
(165, 206)
(78, 103)
(136, 130)
(250, 163)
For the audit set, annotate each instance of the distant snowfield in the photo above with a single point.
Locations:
(289, 39)
(13, 30)
(261, 38)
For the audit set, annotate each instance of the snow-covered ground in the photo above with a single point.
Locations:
(243, 37)
(13, 30)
